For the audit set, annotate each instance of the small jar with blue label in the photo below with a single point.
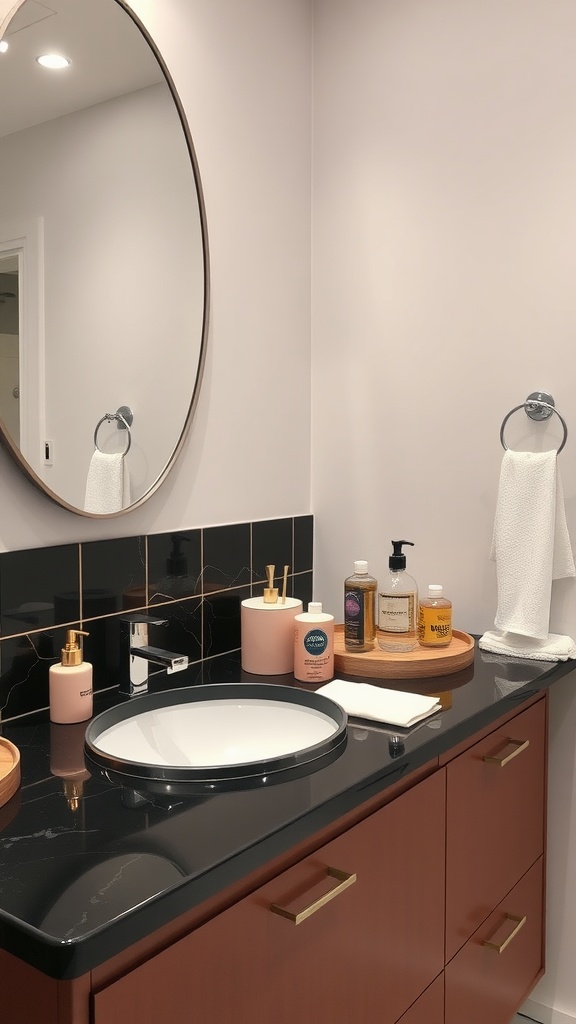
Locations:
(314, 645)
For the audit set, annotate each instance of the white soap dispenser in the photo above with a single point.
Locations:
(314, 645)
(70, 683)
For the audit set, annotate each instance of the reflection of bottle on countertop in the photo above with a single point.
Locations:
(67, 760)
(70, 683)
(314, 645)
(435, 618)
(359, 609)
(397, 605)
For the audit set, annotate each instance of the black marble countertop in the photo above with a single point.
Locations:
(86, 874)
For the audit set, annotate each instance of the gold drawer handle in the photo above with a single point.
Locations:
(344, 879)
(520, 745)
(502, 945)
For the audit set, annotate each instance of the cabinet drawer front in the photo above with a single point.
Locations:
(340, 949)
(495, 816)
(429, 1008)
(494, 972)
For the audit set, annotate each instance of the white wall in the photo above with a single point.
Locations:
(444, 233)
(248, 455)
(444, 254)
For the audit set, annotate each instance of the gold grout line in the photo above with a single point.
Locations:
(80, 584)
(251, 553)
(292, 552)
(202, 605)
(41, 629)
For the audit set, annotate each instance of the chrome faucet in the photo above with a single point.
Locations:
(136, 656)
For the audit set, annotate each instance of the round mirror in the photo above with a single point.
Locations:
(103, 256)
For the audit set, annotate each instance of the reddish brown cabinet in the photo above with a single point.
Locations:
(353, 932)
(496, 969)
(429, 1008)
(495, 820)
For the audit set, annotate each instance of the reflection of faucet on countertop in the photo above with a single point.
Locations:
(136, 655)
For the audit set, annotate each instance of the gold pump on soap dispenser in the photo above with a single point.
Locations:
(70, 683)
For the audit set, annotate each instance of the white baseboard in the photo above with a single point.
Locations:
(545, 1014)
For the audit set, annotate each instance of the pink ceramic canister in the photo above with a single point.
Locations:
(268, 635)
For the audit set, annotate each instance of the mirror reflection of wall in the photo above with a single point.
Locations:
(109, 185)
(9, 346)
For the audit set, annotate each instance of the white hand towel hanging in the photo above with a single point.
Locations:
(108, 483)
(530, 544)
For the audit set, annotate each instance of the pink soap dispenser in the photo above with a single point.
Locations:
(71, 683)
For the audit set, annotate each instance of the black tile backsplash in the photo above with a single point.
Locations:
(192, 581)
(179, 628)
(174, 565)
(25, 664)
(271, 545)
(221, 630)
(113, 570)
(303, 543)
(32, 586)
(303, 588)
(226, 557)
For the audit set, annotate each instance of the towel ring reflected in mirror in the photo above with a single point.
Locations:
(538, 406)
(123, 422)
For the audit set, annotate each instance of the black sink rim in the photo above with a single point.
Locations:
(133, 771)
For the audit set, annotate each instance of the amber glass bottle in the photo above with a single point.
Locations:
(435, 618)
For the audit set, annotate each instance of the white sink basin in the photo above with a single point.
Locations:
(217, 732)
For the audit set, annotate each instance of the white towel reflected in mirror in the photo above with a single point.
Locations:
(108, 483)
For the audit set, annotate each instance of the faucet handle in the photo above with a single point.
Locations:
(138, 617)
(134, 629)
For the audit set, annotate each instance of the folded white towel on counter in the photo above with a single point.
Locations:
(395, 707)
(530, 543)
(108, 483)
(555, 647)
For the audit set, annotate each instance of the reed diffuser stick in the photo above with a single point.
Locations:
(270, 592)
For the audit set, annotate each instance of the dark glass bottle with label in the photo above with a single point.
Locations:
(360, 609)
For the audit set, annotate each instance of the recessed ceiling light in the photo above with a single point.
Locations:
(3, 46)
(54, 61)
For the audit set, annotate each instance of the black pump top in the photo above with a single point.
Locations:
(176, 564)
(398, 559)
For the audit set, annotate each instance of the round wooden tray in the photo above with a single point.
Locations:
(9, 770)
(417, 664)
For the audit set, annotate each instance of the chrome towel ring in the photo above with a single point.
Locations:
(538, 406)
(124, 418)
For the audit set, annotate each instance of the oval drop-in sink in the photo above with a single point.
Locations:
(217, 733)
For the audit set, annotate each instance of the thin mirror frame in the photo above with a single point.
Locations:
(5, 440)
